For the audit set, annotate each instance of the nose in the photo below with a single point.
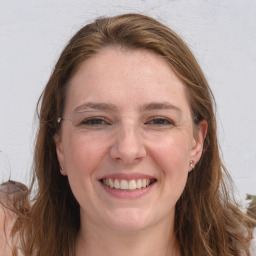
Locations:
(128, 146)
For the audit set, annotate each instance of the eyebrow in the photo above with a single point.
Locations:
(96, 106)
(112, 108)
(160, 105)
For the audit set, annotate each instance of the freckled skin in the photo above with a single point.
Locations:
(130, 142)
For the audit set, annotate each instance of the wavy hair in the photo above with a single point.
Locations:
(208, 222)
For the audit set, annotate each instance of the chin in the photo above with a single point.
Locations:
(129, 220)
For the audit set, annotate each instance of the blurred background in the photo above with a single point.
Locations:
(220, 33)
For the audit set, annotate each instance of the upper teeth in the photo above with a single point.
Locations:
(126, 184)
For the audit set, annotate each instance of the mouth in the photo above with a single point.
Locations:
(127, 185)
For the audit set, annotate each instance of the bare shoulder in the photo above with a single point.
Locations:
(8, 192)
(253, 243)
(6, 222)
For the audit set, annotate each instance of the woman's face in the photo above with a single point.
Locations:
(129, 139)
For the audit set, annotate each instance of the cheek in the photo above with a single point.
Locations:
(171, 157)
(171, 153)
(83, 154)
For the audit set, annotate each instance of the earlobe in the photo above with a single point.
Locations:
(60, 153)
(200, 135)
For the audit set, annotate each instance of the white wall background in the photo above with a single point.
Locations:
(221, 33)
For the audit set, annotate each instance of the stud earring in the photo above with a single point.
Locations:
(61, 168)
(191, 164)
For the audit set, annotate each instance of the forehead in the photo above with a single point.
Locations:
(119, 77)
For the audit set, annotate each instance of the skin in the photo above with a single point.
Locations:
(7, 220)
(155, 141)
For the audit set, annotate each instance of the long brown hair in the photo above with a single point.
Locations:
(207, 221)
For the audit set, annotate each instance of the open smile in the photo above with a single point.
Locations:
(123, 184)
(126, 186)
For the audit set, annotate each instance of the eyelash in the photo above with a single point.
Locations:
(167, 122)
(94, 121)
(101, 121)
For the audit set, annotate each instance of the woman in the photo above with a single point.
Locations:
(126, 157)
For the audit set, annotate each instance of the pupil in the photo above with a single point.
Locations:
(159, 121)
(96, 121)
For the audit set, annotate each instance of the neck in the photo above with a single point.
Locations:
(158, 241)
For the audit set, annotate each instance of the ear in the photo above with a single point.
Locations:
(198, 143)
(60, 153)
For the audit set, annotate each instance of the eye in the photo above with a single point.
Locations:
(95, 122)
(160, 121)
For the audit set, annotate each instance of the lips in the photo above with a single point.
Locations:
(124, 184)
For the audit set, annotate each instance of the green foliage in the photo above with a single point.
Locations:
(251, 211)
